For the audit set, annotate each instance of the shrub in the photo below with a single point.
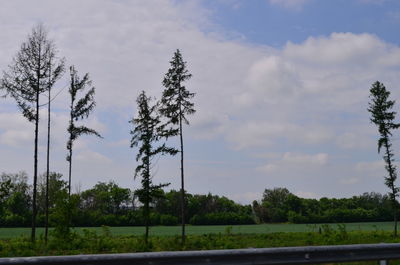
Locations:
(167, 219)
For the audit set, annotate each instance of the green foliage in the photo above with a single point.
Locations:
(175, 101)
(383, 117)
(107, 198)
(15, 200)
(79, 110)
(147, 132)
(279, 205)
(64, 212)
(57, 189)
(109, 204)
(167, 219)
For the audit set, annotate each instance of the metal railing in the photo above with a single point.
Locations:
(260, 256)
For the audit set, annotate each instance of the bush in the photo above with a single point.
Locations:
(167, 219)
(135, 218)
(14, 220)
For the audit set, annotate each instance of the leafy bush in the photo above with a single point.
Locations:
(167, 219)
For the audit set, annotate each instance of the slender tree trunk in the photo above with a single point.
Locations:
(394, 204)
(69, 172)
(147, 202)
(46, 231)
(182, 180)
(34, 210)
(395, 219)
(71, 122)
(146, 220)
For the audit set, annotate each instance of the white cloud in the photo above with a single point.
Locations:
(258, 133)
(246, 197)
(13, 120)
(268, 168)
(119, 143)
(92, 157)
(307, 194)
(349, 181)
(338, 49)
(275, 77)
(295, 162)
(293, 94)
(305, 159)
(370, 167)
(15, 130)
(353, 140)
(209, 124)
(16, 137)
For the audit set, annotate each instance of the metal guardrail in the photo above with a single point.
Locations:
(260, 256)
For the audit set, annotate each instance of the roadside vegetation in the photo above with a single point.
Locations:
(89, 241)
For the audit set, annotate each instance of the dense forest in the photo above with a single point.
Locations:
(112, 205)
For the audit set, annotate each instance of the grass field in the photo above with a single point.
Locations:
(102, 240)
(199, 230)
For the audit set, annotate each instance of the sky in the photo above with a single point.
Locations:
(281, 89)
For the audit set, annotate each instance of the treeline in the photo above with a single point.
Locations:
(111, 205)
(279, 205)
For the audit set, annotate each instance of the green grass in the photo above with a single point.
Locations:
(90, 242)
(200, 230)
(122, 240)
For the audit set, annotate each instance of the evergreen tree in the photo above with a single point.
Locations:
(27, 78)
(383, 117)
(147, 132)
(79, 110)
(175, 105)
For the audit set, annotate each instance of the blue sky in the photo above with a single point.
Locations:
(281, 90)
(277, 22)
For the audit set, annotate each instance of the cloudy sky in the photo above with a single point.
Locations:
(281, 90)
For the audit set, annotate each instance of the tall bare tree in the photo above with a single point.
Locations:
(27, 77)
(79, 109)
(383, 117)
(175, 106)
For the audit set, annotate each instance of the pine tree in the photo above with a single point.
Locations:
(79, 110)
(175, 105)
(27, 78)
(147, 132)
(383, 117)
